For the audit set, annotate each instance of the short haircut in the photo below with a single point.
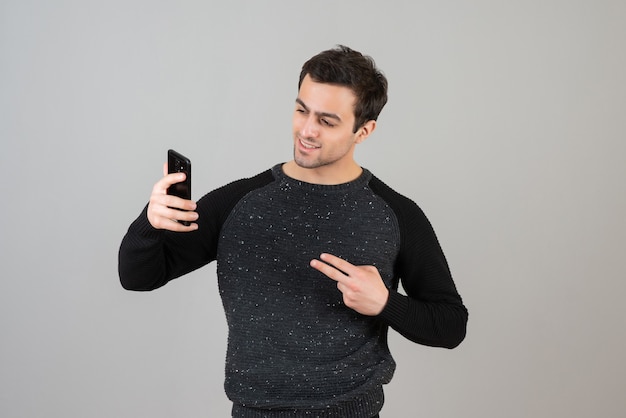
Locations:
(349, 68)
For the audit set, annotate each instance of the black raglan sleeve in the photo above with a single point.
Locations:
(432, 312)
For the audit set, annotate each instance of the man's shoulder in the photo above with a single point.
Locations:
(387, 193)
(259, 180)
(227, 196)
(404, 207)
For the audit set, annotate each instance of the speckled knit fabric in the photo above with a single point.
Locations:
(292, 342)
(294, 349)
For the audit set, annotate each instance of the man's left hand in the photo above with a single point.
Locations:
(362, 287)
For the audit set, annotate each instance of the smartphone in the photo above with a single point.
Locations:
(178, 163)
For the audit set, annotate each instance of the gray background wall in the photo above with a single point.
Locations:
(505, 123)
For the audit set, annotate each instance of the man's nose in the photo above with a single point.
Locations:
(309, 127)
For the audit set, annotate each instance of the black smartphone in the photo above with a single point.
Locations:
(178, 163)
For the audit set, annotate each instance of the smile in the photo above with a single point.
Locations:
(308, 145)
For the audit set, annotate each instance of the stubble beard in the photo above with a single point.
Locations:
(306, 163)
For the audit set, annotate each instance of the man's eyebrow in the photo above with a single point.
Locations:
(321, 114)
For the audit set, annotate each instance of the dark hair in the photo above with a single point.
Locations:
(345, 67)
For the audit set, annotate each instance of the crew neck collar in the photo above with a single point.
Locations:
(280, 175)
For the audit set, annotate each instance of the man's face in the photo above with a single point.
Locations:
(323, 123)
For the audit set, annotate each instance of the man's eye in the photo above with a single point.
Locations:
(327, 123)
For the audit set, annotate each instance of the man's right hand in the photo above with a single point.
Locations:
(163, 209)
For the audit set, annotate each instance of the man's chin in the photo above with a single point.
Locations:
(305, 163)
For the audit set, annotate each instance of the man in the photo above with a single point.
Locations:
(309, 257)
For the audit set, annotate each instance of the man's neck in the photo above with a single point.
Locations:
(325, 175)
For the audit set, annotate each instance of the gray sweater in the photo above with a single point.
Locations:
(294, 348)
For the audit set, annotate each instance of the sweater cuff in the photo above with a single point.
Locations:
(142, 227)
(396, 309)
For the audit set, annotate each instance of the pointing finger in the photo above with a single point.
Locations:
(333, 267)
(328, 270)
(339, 263)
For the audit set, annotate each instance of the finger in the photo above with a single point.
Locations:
(172, 225)
(328, 270)
(340, 264)
(170, 207)
(163, 217)
(179, 215)
(165, 170)
(165, 182)
(177, 203)
(170, 201)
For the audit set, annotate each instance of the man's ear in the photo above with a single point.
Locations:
(365, 130)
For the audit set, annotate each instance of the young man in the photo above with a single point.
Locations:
(309, 256)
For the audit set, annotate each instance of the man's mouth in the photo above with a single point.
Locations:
(308, 145)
